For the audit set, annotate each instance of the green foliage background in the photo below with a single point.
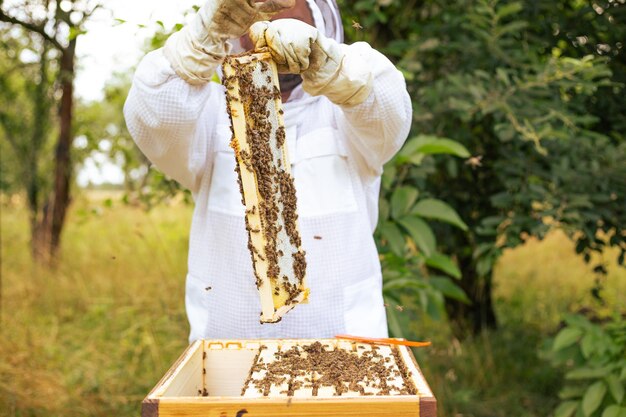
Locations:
(534, 91)
(595, 358)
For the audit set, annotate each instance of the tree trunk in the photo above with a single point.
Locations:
(47, 219)
(40, 234)
(480, 314)
(63, 168)
(33, 187)
(47, 234)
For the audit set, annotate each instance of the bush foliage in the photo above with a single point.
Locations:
(533, 91)
(594, 356)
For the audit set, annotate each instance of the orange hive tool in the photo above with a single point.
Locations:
(383, 341)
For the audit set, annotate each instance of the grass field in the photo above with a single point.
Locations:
(91, 337)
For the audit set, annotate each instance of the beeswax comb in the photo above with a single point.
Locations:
(266, 184)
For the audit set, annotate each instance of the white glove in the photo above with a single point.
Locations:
(326, 66)
(195, 51)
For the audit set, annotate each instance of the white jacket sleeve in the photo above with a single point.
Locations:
(164, 116)
(377, 128)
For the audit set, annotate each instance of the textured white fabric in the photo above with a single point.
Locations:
(337, 155)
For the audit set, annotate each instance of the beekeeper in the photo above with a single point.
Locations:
(347, 112)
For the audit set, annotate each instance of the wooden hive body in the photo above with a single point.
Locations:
(207, 381)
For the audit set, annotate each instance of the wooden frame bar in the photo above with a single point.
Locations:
(254, 104)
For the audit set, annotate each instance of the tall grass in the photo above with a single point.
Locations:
(93, 335)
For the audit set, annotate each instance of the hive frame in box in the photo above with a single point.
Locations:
(219, 368)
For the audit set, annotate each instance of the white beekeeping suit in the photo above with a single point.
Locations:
(337, 152)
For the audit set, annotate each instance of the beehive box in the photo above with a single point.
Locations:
(217, 378)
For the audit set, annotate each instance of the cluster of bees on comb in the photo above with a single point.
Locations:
(327, 370)
(265, 181)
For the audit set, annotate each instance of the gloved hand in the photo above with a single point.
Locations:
(195, 51)
(326, 66)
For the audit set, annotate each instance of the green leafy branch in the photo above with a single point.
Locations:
(594, 357)
(407, 244)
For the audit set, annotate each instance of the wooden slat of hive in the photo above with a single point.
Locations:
(255, 109)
